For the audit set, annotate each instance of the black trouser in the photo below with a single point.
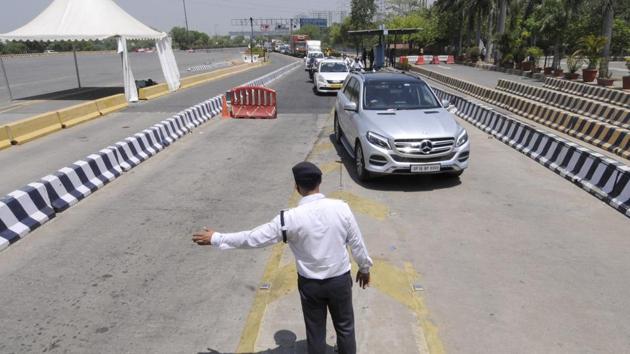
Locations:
(334, 295)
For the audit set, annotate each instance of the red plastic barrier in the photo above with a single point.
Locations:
(420, 60)
(450, 60)
(253, 102)
(436, 60)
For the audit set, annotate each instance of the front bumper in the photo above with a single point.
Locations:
(379, 160)
(327, 87)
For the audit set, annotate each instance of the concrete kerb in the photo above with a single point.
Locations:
(605, 178)
(28, 208)
(78, 114)
(5, 137)
(28, 129)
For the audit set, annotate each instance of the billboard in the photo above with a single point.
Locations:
(319, 22)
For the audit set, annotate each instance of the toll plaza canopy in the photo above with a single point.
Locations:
(76, 20)
(382, 32)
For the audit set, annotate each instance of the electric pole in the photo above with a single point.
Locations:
(186, 20)
(251, 40)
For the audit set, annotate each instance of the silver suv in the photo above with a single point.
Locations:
(393, 123)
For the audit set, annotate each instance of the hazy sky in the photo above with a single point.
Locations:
(204, 15)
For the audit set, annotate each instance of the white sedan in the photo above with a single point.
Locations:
(330, 75)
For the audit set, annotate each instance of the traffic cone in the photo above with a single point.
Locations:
(436, 60)
(450, 60)
(420, 60)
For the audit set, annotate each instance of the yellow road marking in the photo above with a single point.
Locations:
(363, 205)
(329, 167)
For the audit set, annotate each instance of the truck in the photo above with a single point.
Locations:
(297, 45)
(313, 46)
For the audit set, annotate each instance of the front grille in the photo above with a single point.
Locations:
(422, 159)
(424, 147)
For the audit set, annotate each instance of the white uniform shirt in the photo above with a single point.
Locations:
(318, 231)
(357, 64)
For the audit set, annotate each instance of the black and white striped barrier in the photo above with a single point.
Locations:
(603, 177)
(24, 210)
(208, 67)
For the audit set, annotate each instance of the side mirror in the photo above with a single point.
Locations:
(350, 106)
(446, 103)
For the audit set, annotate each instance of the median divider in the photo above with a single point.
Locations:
(78, 114)
(596, 132)
(5, 137)
(600, 93)
(151, 92)
(28, 129)
(26, 209)
(22, 211)
(112, 104)
(603, 177)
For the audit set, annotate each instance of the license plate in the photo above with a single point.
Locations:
(425, 168)
(336, 86)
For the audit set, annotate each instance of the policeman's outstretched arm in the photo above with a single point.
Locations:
(264, 235)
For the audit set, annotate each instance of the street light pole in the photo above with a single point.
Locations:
(186, 20)
(251, 40)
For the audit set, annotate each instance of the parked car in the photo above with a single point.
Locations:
(330, 75)
(393, 123)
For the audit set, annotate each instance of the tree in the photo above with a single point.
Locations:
(313, 32)
(362, 13)
(403, 7)
(607, 30)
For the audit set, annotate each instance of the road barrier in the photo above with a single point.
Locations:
(32, 128)
(78, 114)
(5, 137)
(604, 94)
(112, 104)
(253, 102)
(24, 210)
(571, 102)
(605, 178)
(601, 134)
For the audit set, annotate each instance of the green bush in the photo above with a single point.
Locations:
(592, 47)
(473, 53)
(535, 53)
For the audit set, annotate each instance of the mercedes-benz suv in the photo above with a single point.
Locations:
(393, 123)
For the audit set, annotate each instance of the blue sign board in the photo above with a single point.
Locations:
(319, 22)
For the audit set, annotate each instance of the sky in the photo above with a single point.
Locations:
(210, 16)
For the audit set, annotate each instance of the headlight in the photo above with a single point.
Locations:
(462, 139)
(378, 140)
(321, 80)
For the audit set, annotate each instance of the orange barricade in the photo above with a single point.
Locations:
(450, 60)
(436, 60)
(253, 102)
(420, 60)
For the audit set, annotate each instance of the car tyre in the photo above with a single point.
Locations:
(338, 132)
(359, 163)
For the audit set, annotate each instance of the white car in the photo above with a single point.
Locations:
(319, 56)
(330, 75)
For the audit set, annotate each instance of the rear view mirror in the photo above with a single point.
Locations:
(350, 106)
(446, 103)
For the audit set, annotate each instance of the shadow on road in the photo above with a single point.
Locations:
(286, 342)
(403, 183)
(77, 94)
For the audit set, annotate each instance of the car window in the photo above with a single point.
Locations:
(333, 68)
(355, 91)
(347, 91)
(383, 95)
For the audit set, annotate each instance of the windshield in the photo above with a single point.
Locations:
(383, 95)
(316, 55)
(333, 68)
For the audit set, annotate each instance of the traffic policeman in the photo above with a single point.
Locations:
(319, 231)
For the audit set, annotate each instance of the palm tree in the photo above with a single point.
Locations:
(607, 27)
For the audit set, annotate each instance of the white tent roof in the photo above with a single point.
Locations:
(82, 20)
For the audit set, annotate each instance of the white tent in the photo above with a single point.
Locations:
(75, 20)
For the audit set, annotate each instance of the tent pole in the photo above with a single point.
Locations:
(76, 65)
(6, 78)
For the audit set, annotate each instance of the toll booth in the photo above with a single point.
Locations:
(385, 35)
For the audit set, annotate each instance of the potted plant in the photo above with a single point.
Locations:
(626, 79)
(574, 62)
(534, 54)
(605, 80)
(592, 46)
(473, 54)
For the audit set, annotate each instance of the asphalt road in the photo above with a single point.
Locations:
(512, 258)
(45, 74)
(31, 161)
